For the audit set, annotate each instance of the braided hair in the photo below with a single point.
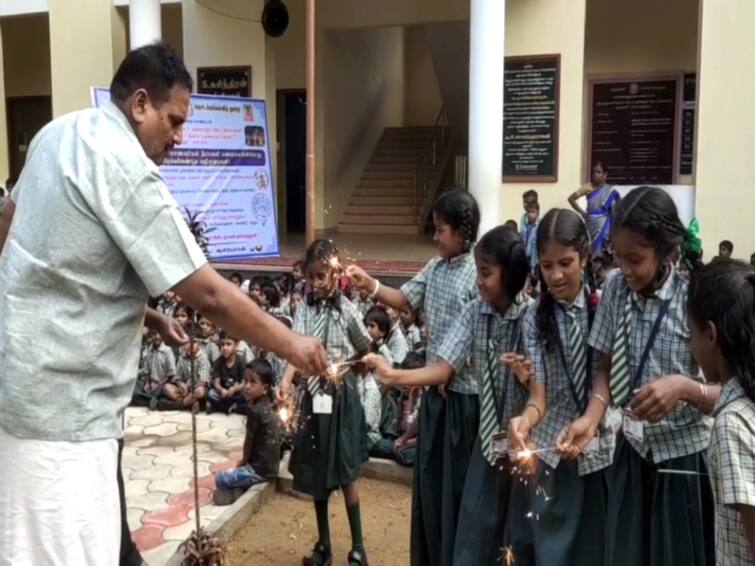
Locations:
(651, 212)
(723, 293)
(567, 228)
(504, 247)
(322, 252)
(458, 208)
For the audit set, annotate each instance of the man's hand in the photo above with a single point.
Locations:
(172, 333)
(307, 354)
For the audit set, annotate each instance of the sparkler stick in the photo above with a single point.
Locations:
(680, 472)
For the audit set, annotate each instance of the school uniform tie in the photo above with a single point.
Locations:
(578, 353)
(619, 382)
(489, 416)
(321, 323)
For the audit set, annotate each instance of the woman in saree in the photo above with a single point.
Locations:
(601, 198)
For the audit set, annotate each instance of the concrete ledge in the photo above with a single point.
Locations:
(237, 514)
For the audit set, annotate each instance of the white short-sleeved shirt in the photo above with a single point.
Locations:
(95, 233)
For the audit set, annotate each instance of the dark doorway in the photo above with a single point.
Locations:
(292, 126)
(26, 116)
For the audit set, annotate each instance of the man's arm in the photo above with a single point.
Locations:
(224, 304)
(6, 217)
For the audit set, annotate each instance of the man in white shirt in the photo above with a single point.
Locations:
(89, 233)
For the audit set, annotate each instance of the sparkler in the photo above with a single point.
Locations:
(507, 556)
(681, 472)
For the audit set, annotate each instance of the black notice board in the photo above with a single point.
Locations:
(530, 118)
(633, 130)
(226, 81)
(687, 141)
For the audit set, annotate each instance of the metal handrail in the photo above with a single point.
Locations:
(430, 160)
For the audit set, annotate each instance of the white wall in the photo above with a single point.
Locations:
(422, 98)
(26, 56)
(361, 92)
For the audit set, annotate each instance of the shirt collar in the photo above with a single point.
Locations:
(730, 392)
(665, 293)
(461, 258)
(578, 302)
(513, 313)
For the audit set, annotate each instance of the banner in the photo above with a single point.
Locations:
(222, 174)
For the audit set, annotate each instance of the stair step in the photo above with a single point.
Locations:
(381, 200)
(386, 183)
(397, 175)
(397, 167)
(384, 192)
(402, 159)
(380, 209)
(365, 228)
(379, 219)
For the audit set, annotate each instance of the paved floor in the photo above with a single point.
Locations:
(157, 471)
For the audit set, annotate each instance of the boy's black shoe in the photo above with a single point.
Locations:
(166, 405)
(321, 556)
(208, 407)
(153, 401)
(357, 558)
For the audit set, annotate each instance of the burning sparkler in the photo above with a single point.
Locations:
(507, 556)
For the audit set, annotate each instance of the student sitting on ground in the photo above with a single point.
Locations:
(159, 364)
(278, 364)
(236, 279)
(227, 393)
(261, 456)
(167, 304)
(210, 339)
(398, 423)
(256, 284)
(270, 301)
(395, 339)
(410, 323)
(285, 284)
(190, 384)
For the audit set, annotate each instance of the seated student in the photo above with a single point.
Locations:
(227, 394)
(167, 304)
(278, 364)
(395, 339)
(398, 424)
(236, 278)
(296, 299)
(187, 386)
(270, 301)
(378, 326)
(256, 284)
(297, 272)
(369, 395)
(209, 338)
(184, 315)
(284, 283)
(363, 302)
(244, 352)
(159, 363)
(725, 249)
(261, 456)
(410, 323)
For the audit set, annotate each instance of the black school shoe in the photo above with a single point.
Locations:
(357, 558)
(321, 556)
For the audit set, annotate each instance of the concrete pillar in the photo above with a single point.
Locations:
(81, 52)
(725, 136)
(144, 22)
(4, 154)
(486, 32)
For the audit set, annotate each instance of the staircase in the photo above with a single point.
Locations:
(400, 181)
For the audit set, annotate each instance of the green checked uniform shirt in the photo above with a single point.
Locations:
(466, 346)
(561, 408)
(684, 431)
(732, 472)
(441, 290)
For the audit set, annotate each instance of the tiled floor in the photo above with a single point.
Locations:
(157, 470)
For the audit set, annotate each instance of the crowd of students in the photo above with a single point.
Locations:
(553, 414)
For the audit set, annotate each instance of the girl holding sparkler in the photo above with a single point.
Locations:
(641, 330)
(493, 504)
(448, 421)
(567, 495)
(721, 307)
(331, 442)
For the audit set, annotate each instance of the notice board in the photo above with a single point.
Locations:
(530, 118)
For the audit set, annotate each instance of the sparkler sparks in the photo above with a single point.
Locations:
(507, 556)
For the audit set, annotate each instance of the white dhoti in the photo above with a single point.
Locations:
(59, 502)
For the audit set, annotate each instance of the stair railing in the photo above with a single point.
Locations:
(431, 160)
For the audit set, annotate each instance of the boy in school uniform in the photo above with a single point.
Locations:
(227, 393)
(192, 377)
(395, 340)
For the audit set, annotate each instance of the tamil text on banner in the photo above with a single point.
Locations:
(222, 173)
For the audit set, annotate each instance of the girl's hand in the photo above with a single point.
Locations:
(655, 400)
(381, 367)
(519, 431)
(360, 278)
(575, 436)
(283, 393)
(521, 366)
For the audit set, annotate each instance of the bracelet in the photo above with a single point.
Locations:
(376, 289)
(539, 412)
(704, 397)
(599, 398)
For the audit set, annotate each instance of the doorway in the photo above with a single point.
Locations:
(292, 151)
(26, 116)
